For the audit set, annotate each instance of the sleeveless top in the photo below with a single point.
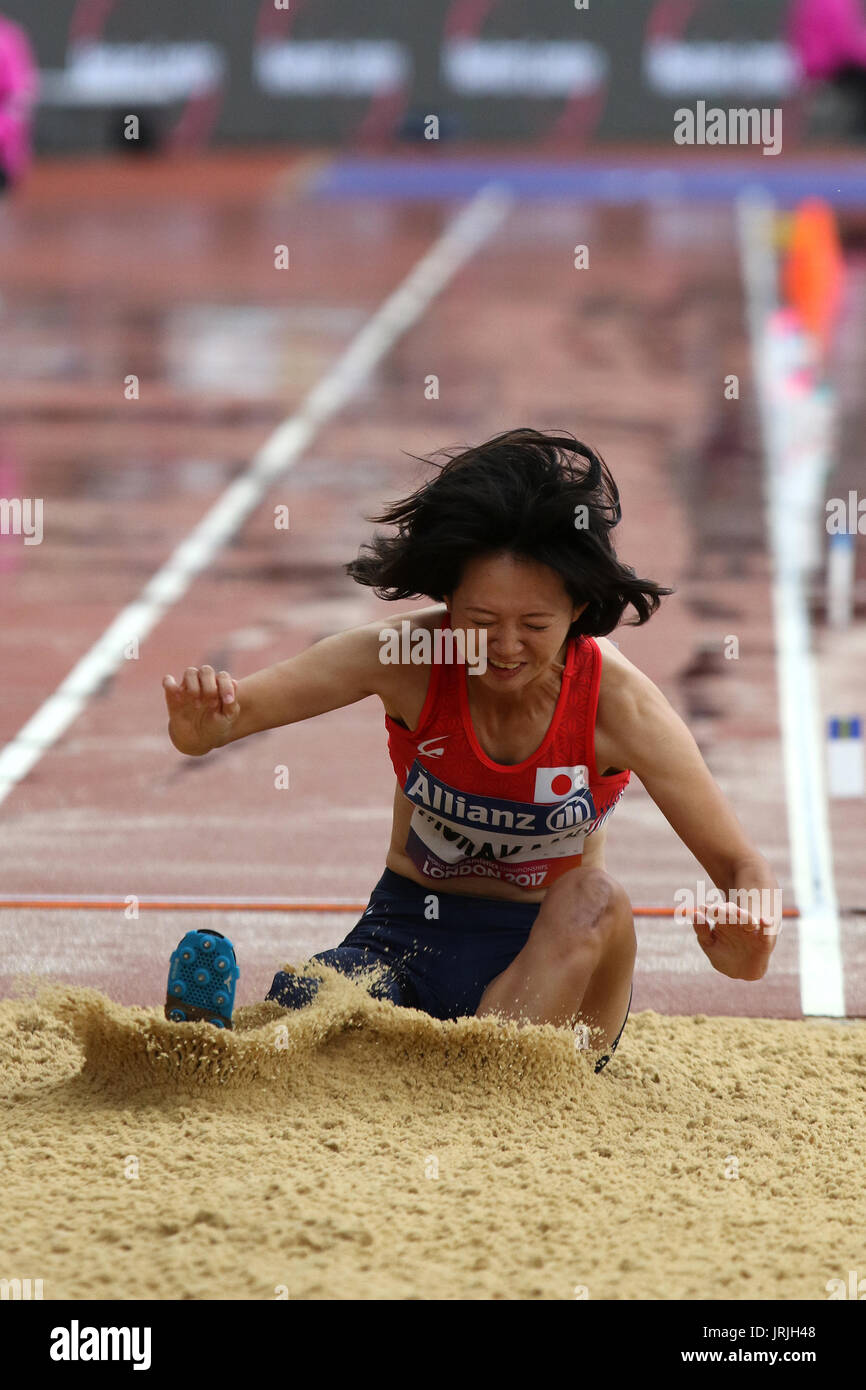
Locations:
(523, 824)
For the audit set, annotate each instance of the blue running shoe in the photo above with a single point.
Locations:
(202, 976)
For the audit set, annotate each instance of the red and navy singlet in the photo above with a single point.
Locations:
(523, 824)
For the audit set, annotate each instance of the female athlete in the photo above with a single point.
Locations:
(511, 747)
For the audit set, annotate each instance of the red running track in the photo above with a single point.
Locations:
(168, 273)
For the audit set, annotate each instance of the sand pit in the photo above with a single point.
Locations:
(354, 1150)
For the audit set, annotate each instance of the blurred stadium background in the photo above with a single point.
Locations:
(219, 200)
(332, 72)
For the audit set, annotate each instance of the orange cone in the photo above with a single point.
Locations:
(813, 269)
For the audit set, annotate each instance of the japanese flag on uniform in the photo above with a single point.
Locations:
(556, 783)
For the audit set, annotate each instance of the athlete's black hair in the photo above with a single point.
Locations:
(544, 497)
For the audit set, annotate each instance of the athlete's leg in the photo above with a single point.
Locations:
(375, 944)
(385, 982)
(578, 961)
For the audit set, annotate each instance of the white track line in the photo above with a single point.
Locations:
(461, 238)
(821, 976)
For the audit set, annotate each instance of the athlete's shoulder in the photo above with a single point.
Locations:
(398, 680)
(373, 636)
(624, 690)
(429, 618)
(632, 711)
(617, 672)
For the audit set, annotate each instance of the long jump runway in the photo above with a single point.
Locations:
(170, 278)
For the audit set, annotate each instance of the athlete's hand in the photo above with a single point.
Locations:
(201, 710)
(734, 942)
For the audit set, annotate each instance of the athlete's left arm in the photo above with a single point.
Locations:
(649, 737)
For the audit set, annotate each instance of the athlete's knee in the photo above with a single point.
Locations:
(589, 891)
(588, 904)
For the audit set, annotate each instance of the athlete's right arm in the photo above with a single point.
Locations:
(208, 709)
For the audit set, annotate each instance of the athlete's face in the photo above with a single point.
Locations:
(525, 611)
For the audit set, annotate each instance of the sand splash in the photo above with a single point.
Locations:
(130, 1049)
(355, 1150)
